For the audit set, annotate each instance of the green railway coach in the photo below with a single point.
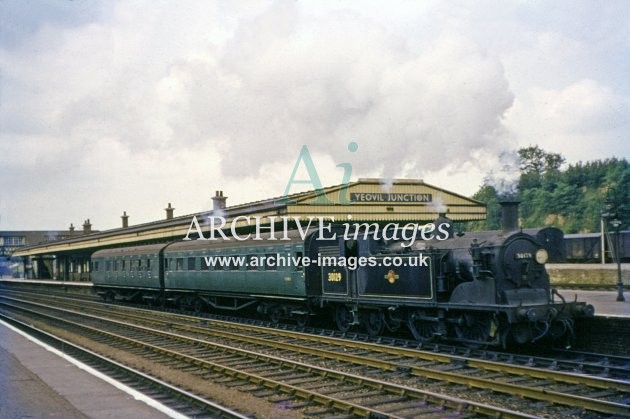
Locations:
(130, 268)
(228, 274)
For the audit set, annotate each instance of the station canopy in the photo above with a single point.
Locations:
(366, 200)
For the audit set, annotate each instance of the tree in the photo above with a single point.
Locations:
(570, 198)
(489, 196)
(534, 159)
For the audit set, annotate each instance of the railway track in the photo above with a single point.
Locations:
(178, 400)
(304, 386)
(405, 369)
(604, 365)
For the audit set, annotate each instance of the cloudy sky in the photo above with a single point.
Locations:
(108, 106)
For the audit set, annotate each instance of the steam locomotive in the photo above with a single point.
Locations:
(486, 288)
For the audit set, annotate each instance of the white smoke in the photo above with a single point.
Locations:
(285, 79)
(505, 175)
(437, 205)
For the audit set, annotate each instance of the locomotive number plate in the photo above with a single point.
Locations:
(335, 277)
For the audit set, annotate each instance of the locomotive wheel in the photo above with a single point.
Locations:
(373, 322)
(343, 318)
(301, 320)
(521, 333)
(422, 330)
(474, 328)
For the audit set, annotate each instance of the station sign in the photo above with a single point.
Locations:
(391, 197)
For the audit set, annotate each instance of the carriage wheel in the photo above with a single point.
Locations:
(183, 304)
(422, 330)
(275, 314)
(198, 306)
(343, 318)
(373, 322)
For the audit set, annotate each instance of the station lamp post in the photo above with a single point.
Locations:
(616, 223)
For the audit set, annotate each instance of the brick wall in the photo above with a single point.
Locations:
(603, 335)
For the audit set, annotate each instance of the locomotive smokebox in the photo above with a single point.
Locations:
(509, 218)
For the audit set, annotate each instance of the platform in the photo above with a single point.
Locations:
(587, 275)
(37, 382)
(605, 302)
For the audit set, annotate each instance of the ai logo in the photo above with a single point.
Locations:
(313, 178)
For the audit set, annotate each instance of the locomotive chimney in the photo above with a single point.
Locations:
(448, 224)
(509, 218)
(87, 227)
(169, 211)
(71, 228)
(218, 201)
(125, 219)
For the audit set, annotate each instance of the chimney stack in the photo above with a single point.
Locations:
(71, 228)
(443, 219)
(125, 220)
(509, 216)
(218, 201)
(169, 211)
(87, 227)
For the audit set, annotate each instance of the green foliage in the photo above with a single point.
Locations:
(533, 159)
(571, 198)
(489, 196)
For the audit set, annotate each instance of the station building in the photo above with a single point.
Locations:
(14, 240)
(399, 201)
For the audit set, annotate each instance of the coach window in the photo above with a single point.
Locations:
(124, 265)
(148, 264)
(108, 266)
(202, 264)
(166, 264)
(252, 263)
(232, 265)
(191, 264)
(179, 264)
(139, 264)
(217, 266)
(270, 266)
(299, 259)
